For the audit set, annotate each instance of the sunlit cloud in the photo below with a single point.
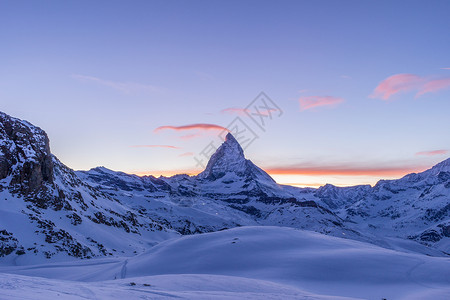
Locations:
(434, 86)
(433, 152)
(318, 101)
(186, 154)
(265, 112)
(199, 126)
(445, 68)
(345, 170)
(124, 87)
(401, 83)
(235, 111)
(190, 136)
(155, 146)
(396, 84)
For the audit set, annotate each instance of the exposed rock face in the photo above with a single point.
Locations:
(25, 155)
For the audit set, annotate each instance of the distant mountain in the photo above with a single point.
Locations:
(230, 192)
(50, 211)
(236, 192)
(416, 207)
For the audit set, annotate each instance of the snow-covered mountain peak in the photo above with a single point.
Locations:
(230, 149)
(229, 162)
(103, 170)
(443, 166)
(231, 141)
(437, 172)
(229, 157)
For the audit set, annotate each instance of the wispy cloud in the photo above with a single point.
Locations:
(401, 83)
(434, 86)
(348, 169)
(235, 111)
(155, 146)
(199, 126)
(445, 68)
(124, 87)
(433, 152)
(344, 170)
(396, 84)
(190, 136)
(318, 101)
(187, 154)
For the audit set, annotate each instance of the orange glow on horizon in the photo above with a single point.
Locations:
(317, 171)
(313, 177)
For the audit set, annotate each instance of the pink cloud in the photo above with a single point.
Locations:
(190, 136)
(266, 112)
(408, 82)
(235, 110)
(318, 101)
(349, 170)
(155, 146)
(431, 153)
(445, 68)
(199, 126)
(434, 86)
(187, 154)
(396, 84)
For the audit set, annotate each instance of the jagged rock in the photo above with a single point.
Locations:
(25, 155)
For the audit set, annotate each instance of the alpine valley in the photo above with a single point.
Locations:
(231, 232)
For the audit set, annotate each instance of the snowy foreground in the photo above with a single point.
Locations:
(240, 263)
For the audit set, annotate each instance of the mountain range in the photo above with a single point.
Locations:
(49, 211)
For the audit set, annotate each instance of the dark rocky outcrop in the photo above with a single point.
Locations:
(24, 155)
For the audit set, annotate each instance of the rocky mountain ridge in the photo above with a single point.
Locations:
(48, 211)
(51, 211)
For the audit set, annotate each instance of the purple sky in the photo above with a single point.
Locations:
(361, 89)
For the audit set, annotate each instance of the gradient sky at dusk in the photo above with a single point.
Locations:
(364, 87)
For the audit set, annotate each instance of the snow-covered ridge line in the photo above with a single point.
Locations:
(100, 212)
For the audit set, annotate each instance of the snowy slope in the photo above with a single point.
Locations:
(304, 260)
(195, 286)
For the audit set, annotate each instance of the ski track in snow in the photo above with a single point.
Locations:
(123, 271)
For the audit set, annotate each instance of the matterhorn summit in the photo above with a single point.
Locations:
(229, 158)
